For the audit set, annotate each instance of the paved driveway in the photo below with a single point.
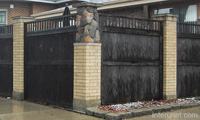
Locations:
(15, 110)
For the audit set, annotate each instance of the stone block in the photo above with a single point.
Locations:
(166, 108)
(146, 111)
(81, 105)
(113, 116)
(176, 107)
(135, 112)
(125, 115)
(86, 19)
(90, 111)
(198, 103)
(88, 39)
(18, 96)
(100, 113)
(194, 105)
(183, 106)
(157, 110)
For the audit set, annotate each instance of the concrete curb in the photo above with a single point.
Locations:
(136, 112)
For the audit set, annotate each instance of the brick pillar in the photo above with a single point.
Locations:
(87, 58)
(169, 55)
(18, 56)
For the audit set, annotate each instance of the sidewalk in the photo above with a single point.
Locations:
(15, 110)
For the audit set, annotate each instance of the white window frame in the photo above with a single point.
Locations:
(5, 10)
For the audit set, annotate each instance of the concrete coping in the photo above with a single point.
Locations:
(165, 15)
(87, 4)
(87, 44)
(22, 17)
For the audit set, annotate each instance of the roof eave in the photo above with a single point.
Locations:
(40, 1)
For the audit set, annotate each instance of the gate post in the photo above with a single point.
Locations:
(18, 56)
(169, 55)
(87, 58)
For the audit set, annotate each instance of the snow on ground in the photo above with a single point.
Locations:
(147, 104)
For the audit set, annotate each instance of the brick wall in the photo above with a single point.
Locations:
(128, 11)
(25, 9)
(169, 55)
(41, 7)
(87, 75)
(20, 9)
(87, 66)
(18, 57)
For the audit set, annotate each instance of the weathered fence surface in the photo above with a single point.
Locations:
(6, 58)
(188, 30)
(188, 71)
(6, 30)
(131, 58)
(49, 60)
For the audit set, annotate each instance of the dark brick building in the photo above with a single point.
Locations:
(11, 8)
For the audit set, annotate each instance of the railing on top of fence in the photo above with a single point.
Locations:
(6, 30)
(51, 23)
(188, 28)
(107, 20)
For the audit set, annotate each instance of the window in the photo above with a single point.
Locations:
(3, 17)
(187, 14)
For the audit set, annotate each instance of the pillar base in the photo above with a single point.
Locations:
(18, 96)
(169, 97)
(81, 105)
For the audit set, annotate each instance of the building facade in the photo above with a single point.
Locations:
(188, 11)
(10, 8)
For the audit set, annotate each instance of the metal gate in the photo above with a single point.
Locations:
(49, 61)
(6, 60)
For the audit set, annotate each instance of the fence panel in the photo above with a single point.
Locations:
(6, 30)
(131, 61)
(188, 71)
(129, 22)
(49, 61)
(188, 29)
(6, 61)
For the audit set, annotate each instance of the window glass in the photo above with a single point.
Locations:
(185, 14)
(191, 14)
(2, 17)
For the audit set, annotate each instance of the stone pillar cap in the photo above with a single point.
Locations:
(165, 15)
(87, 4)
(22, 17)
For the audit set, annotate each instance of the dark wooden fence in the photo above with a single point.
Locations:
(51, 25)
(6, 30)
(49, 60)
(188, 71)
(131, 59)
(6, 60)
(186, 29)
(129, 22)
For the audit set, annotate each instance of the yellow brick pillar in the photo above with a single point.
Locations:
(169, 55)
(87, 58)
(18, 56)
